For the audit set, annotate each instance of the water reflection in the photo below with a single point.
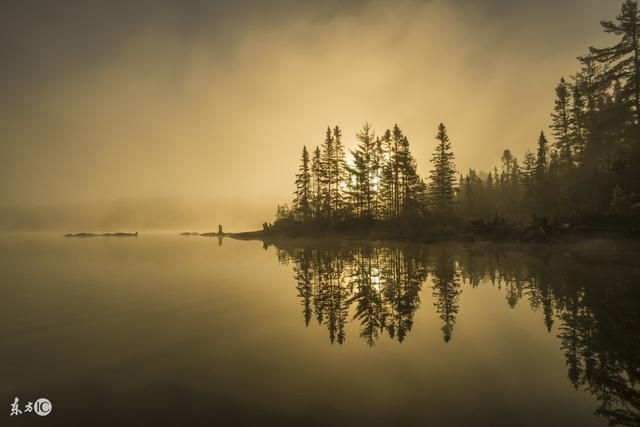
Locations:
(590, 299)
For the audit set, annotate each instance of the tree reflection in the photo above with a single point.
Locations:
(591, 300)
(446, 292)
(380, 285)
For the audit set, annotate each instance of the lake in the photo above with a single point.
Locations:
(166, 329)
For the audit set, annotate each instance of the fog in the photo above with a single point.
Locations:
(178, 115)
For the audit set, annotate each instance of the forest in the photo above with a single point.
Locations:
(583, 171)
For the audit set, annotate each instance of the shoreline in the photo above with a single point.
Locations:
(505, 235)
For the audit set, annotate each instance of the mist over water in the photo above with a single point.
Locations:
(191, 329)
(168, 213)
(139, 140)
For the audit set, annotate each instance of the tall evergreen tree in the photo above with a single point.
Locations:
(560, 125)
(302, 201)
(542, 168)
(396, 141)
(387, 177)
(528, 180)
(542, 156)
(316, 180)
(377, 163)
(622, 64)
(328, 157)
(577, 128)
(411, 186)
(442, 177)
(363, 191)
(337, 173)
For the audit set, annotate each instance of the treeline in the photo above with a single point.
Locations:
(589, 172)
(381, 182)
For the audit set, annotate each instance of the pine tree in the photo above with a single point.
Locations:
(377, 162)
(442, 176)
(316, 180)
(622, 60)
(528, 180)
(337, 173)
(387, 184)
(577, 131)
(410, 187)
(560, 123)
(328, 157)
(363, 191)
(303, 188)
(396, 140)
(621, 64)
(542, 202)
(542, 157)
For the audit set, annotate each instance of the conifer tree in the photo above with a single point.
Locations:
(528, 179)
(387, 175)
(303, 188)
(542, 169)
(377, 162)
(316, 180)
(363, 191)
(542, 156)
(622, 60)
(442, 176)
(560, 125)
(396, 140)
(328, 157)
(577, 131)
(338, 170)
(621, 65)
(410, 187)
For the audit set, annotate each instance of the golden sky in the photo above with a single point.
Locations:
(214, 100)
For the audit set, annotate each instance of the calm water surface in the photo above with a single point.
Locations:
(175, 330)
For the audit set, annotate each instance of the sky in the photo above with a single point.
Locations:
(209, 102)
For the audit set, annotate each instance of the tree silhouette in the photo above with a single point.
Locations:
(316, 182)
(302, 204)
(362, 184)
(590, 173)
(442, 177)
